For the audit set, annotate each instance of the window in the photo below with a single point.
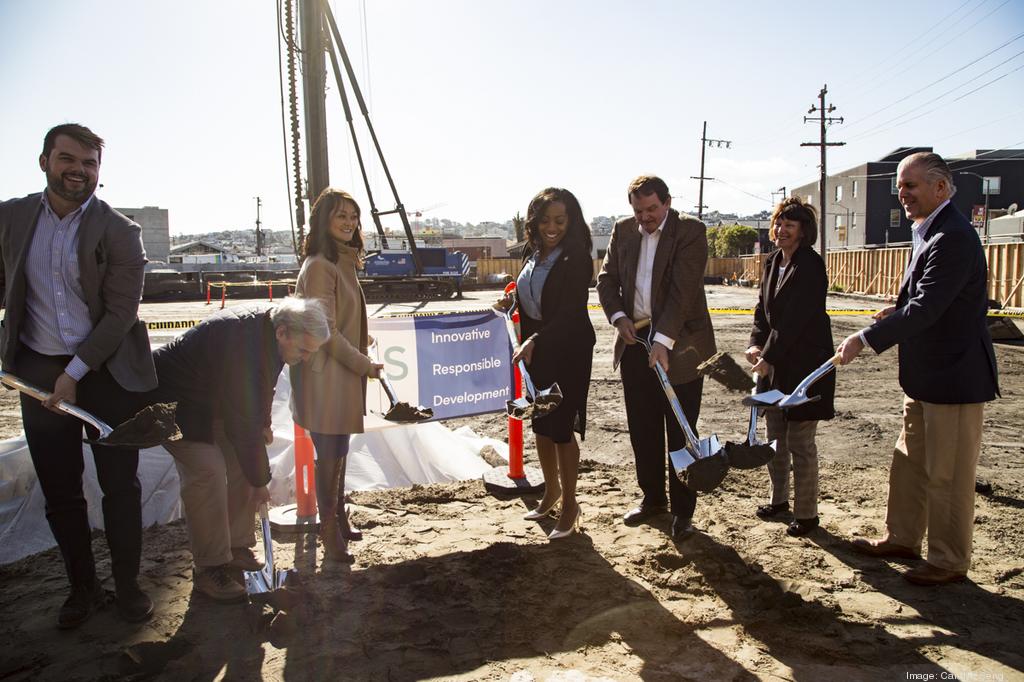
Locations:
(810, 199)
(894, 189)
(853, 222)
(992, 183)
(838, 221)
(894, 218)
(839, 192)
(856, 186)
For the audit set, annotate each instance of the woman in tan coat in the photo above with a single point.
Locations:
(329, 389)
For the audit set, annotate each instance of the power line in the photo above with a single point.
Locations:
(882, 66)
(933, 39)
(890, 174)
(740, 189)
(904, 98)
(881, 127)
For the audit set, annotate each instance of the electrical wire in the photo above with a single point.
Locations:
(904, 98)
(881, 127)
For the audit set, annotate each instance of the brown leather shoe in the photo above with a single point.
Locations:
(883, 548)
(927, 574)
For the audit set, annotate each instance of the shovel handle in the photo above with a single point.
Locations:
(39, 394)
(389, 390)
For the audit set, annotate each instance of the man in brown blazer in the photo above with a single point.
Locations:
(71, 274)
(654, 269)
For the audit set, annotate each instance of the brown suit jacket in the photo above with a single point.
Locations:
(112, 266)
(329, 389)
(678, 305)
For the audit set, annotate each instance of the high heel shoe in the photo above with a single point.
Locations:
(539, 513)
(576, 525)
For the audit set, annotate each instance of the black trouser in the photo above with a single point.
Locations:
(649, 417)
(55, 444)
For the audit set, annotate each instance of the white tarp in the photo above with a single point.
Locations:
(385, 456)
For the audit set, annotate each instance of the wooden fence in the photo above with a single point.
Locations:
(864, 271)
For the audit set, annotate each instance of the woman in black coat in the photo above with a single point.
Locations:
(792, 336)
(558, 342)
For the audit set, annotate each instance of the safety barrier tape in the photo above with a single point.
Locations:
(185, 324)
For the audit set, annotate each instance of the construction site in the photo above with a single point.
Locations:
(449, 580)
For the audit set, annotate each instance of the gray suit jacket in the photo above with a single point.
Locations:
(679, 308)
(112, 264)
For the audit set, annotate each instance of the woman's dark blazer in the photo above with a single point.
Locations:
(794, 331)
(564, 339)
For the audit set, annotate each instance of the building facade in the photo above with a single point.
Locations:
(156, 231)
(863, 208)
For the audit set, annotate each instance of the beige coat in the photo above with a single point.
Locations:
(329, 389)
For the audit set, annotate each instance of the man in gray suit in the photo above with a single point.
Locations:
(71, 274)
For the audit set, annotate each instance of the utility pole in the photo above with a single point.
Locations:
(823, 121)
(314, 80)
(259, 235)
(781, 192)
(704, 144)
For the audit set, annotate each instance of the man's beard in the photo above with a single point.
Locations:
(56, 184)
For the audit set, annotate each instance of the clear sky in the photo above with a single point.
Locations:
(479, 104)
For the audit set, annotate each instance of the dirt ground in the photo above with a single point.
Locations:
(451, 583)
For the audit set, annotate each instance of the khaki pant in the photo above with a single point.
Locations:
(795, 450)
(219, 503)
(931, 483)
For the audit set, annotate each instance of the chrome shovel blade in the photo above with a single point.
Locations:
(681, 459)
(547, 401)
(766, 399)
(520, 408)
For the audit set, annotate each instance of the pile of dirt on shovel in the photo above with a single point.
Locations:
(723, 368)
(152, 425)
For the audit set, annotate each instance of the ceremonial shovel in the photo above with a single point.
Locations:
(753, 453)
(778, 399)
(266, 579)
(151, 426)
(402, 412)
(535, 403)
(700, 463)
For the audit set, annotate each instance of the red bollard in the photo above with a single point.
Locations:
(270, 291)
(515, 426)
(305, 483)
(207, 293)
(515, 434)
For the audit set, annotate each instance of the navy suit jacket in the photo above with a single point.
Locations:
(945, 350)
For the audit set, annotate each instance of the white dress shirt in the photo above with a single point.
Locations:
(917, 234)
(644, 275)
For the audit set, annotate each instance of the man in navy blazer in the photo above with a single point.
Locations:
(71, 274)
(947, 369)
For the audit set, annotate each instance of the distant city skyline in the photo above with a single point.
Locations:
(480, 105)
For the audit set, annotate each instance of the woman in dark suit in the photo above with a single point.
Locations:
(558, 342)
(792, 336)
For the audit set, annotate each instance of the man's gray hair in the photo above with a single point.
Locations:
(934, 168)
(301, 316)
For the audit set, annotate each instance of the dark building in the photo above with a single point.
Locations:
(863, 208)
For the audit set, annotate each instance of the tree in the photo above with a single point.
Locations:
(714, 233)
(734, 240)
(519, 223)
